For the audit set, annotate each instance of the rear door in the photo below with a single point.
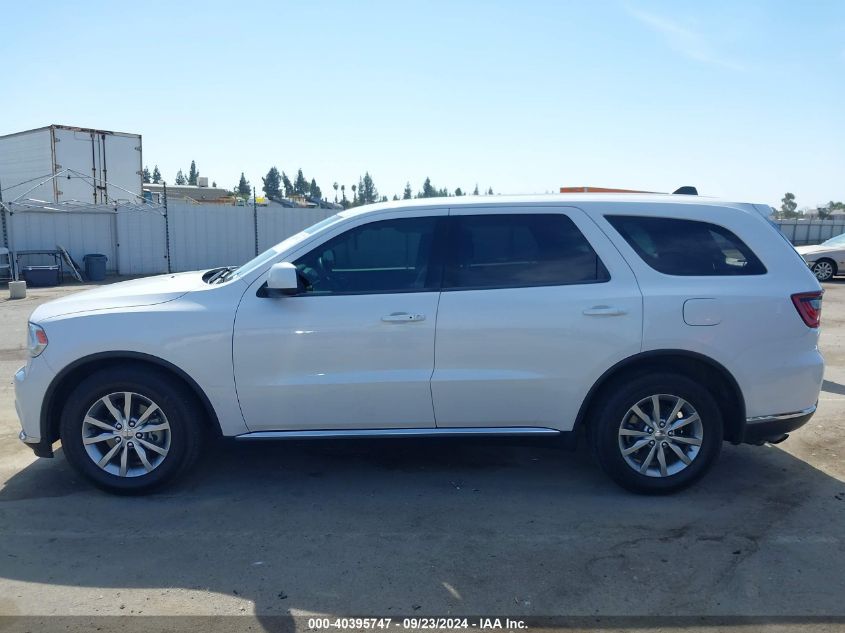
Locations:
(536, 305)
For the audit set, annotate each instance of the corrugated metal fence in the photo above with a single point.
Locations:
(812, 231)
(140, 241)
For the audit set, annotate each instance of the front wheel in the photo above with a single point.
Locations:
(658, 433)
(823, 270)
(130, 430)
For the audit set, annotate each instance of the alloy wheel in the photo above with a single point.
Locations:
(823, 271)
(126, 434)
(660, 435)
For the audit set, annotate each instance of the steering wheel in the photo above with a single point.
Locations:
(308, 276)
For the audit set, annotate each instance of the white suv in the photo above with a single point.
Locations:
(657, 326)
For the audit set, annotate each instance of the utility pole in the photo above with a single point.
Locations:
(7, 242)
(3, 215)
(166, 227)
(255, 218)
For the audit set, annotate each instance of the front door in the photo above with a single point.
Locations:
(354, 348)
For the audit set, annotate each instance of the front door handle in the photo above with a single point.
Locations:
(604, 311)
(402, 317)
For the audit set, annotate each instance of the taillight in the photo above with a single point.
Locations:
(809, 306)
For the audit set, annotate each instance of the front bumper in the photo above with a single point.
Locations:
(31, 384)
(41, 448)
(774, 428)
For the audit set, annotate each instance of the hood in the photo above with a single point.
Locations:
(125, 294)
(812, 250)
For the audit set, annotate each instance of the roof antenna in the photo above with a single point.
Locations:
(686, 190)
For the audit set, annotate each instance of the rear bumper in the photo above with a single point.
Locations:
(775, 427)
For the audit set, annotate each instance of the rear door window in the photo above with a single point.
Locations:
(687, 247)
(515, 250)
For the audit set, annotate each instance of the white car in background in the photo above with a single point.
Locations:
(825, 259)
(653, 326)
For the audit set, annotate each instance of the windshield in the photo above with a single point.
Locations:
(264, 258)
(839, 240)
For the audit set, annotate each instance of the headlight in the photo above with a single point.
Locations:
(37, 342)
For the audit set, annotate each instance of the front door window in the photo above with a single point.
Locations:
(387, 256)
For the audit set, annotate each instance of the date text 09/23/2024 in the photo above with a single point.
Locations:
(434, 623)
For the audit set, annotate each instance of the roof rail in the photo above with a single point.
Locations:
(583, 189)
(685, 190)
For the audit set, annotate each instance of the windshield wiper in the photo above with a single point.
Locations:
(220, 274)
(227, 273)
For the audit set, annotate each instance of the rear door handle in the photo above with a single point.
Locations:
(402, 317)
(602, 311)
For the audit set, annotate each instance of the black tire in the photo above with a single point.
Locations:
(824, 269)
(183, 413)
(617, 401)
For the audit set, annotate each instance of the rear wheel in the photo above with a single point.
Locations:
(824, 270)
(130, 430)
(657, 433)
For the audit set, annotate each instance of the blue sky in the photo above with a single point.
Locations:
(746, 100)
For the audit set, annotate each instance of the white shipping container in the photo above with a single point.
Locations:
(107, 165)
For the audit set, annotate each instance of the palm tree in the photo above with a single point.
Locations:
(354, 198)
(335, 192)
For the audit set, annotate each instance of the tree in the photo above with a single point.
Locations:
(214, 183)
(243, 187)
(156, 175)
(193, 174)
(354, 195)
(826, 211)
(314, 191)
(272, 184)
(459, 192)
(428, 190)
(407, 194)
(334, 186)
(300, 185)
(490, 191)
(367, 192)
(475, 191)
(288, 185)
(395, 197)
(788, 205)
(180, 178)
(146, 174)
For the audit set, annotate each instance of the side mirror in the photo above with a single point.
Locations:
(283, 279)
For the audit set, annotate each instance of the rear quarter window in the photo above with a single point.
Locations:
(687, 247)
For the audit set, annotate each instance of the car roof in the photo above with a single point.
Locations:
(583, 200)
